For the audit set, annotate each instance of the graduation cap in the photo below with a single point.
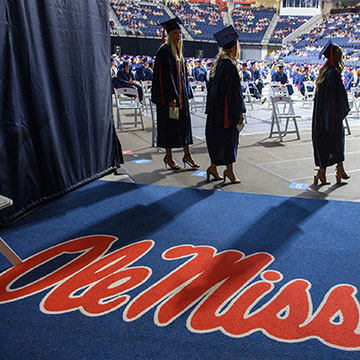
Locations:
(328, 51)
(172, 24)
(226, 37)
(169, 25)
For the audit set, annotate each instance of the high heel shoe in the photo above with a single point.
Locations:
(232, 177)
(173, 165)
(187, 159)
(340, 174)
(320, 175)
(215, 175)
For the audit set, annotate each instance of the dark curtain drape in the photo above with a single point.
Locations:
(56, 124)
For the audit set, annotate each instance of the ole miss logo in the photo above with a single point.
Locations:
(219, 287)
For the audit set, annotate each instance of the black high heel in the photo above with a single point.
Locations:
(171, 166)
(216, 176)
(232, 178)
(189, 161)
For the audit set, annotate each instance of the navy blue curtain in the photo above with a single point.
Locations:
(56, 124)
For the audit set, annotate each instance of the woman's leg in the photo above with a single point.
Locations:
(187, 159)
(213, 171)
(340, 172)
(168, 160)
(229, 172)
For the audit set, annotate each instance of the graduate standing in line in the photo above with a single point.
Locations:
(330, 109)
(225, 107)
(171, 93)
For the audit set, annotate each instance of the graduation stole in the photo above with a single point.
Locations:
(179, 82)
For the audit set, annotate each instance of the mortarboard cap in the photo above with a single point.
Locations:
(326, 51)
(226, 37)
(172, 24)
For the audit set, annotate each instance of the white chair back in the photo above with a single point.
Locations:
(200, 93)
(128, 99)
(283, 109)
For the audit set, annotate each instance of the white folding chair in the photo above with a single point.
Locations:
(309, 88)
(146, 86)
(200, 93)
(354, 101)
(346, 126)
(247, 94)
(278, 90)
(154, 123)
(5, 249)
(283, 110)
(128, 99)
(271, 91)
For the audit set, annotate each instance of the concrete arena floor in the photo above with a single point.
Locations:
(264, 165)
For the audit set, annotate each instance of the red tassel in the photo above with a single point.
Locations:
(331, 59)
(163, 37)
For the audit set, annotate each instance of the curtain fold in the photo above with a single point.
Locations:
(56, 122)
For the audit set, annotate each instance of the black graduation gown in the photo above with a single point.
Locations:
(224, 106)
(171, 133)
(330, 109)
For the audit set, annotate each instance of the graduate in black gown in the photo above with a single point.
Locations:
(330, 109)
(171, 93)
(225, 107)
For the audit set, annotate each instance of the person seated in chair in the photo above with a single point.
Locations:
(348, 78)
(148, 71)
(256, 77)
(126, 79)
(281, 77)
(114, 71)
(305, 76)
(199, 72)
(246, 76)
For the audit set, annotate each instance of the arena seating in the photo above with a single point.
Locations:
(140, 19)
(286, 25)
(343, 28)
(251, 24)
(201, 20)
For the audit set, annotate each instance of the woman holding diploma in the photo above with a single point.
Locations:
(171, 93)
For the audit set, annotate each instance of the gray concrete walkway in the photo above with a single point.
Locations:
(264, 165)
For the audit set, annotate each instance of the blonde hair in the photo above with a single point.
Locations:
(222, 54)
(339, 65)
(175, 48)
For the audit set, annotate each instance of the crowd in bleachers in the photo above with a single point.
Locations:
(286, 25)
(251, 24)
(201, 20)
(139, 19)
(345, 28)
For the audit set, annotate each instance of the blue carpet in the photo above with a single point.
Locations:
(125, 271)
